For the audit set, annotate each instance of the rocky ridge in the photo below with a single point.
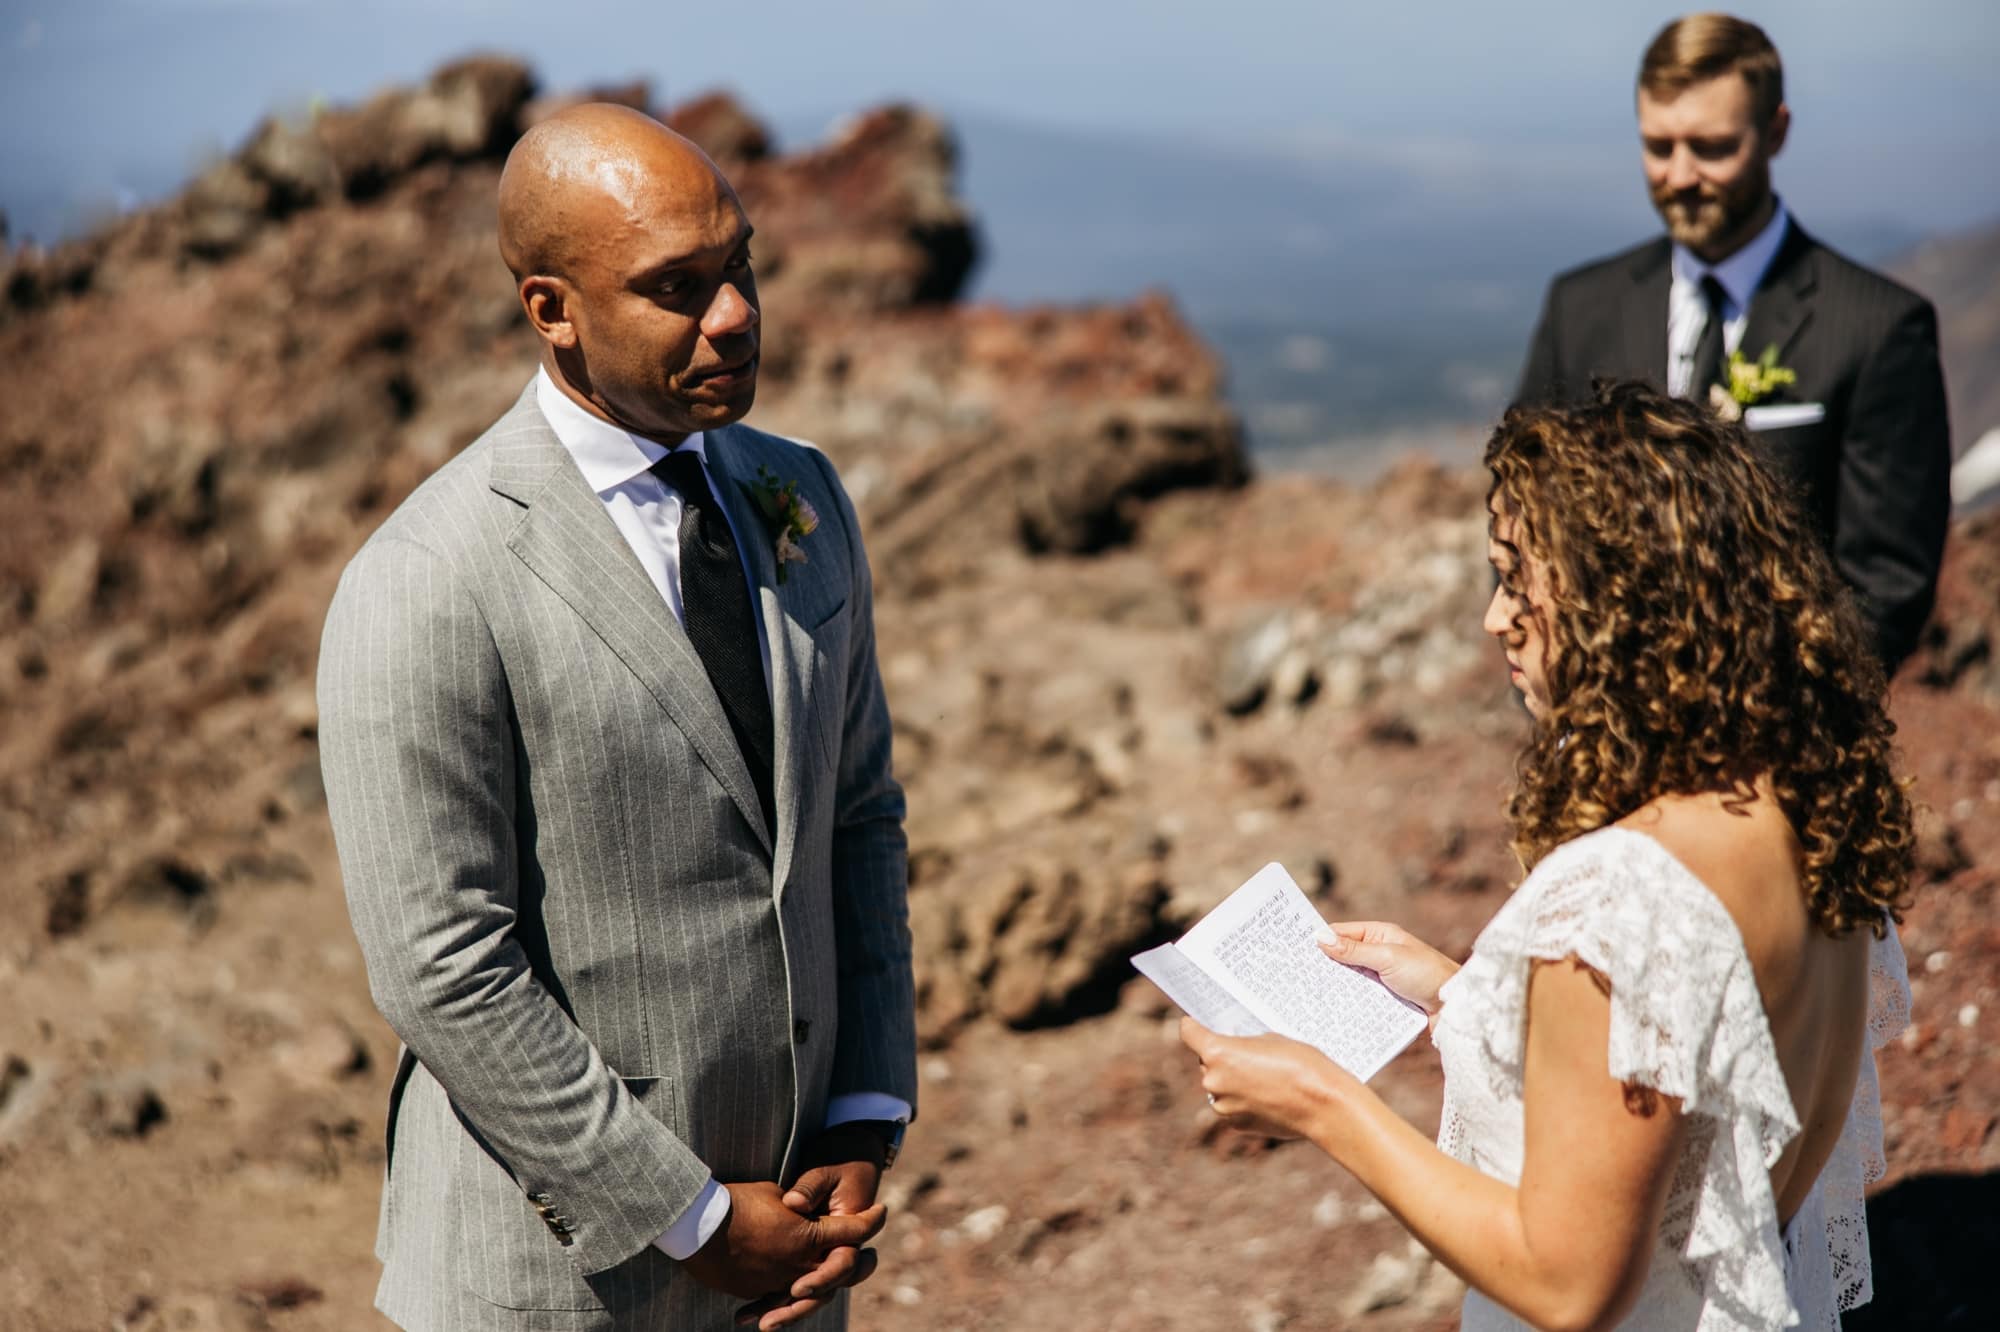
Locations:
(1122, 674)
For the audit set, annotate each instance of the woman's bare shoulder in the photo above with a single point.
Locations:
(1745, 853)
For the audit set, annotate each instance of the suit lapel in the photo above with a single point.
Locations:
(1782, 306)
(732, 460)
(571, 544)
(1644, 354)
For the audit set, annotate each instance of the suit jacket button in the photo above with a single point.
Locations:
(800, 1029)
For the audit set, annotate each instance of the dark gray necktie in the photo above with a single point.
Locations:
(1707, 367)
(720, 616)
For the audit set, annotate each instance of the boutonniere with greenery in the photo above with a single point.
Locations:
(790, 515)
(1750, 382)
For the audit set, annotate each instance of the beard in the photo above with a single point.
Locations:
(1711, 220)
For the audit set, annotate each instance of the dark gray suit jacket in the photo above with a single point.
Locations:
(609, 977)
(1874, 473)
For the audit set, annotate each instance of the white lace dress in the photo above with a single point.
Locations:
(1687, 1021)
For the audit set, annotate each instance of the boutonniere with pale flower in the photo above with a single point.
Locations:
(1750, 382)
(790, 515)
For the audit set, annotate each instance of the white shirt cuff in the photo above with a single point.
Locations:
(866, 1105)
(698, 1224)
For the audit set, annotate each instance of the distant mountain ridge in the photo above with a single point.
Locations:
(1961, 275)
(1359, 295)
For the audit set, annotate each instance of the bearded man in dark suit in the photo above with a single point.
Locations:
(1832, 367)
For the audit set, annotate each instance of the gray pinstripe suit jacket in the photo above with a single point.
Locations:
(608, 978)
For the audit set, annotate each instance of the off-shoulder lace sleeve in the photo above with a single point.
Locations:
(1687, 1021)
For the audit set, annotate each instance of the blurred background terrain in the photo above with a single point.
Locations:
(1097, 404)
(1358, 207)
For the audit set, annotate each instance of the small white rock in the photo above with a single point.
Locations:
(1292, 676)
(1329, 1211)
(1440, 1290)
(1937, 961)
(907, 1295)
(985, 1223)
(1968, 1015)
(1347, 684)
(1389, 1281)
(938, 1069)
(1264, 1316)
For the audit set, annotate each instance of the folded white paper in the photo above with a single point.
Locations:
(1251, 966)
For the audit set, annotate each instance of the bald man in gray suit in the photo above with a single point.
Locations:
(608, 763)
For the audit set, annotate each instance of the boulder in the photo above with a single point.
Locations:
(869, 221)
(1960, 647)
(730, 135)
(222, 211)
(468, 109)
(294, 164)
(1034, 943)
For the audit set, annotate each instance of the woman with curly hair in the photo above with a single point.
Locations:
(1660, 1097)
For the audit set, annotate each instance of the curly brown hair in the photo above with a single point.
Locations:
(1698, 641)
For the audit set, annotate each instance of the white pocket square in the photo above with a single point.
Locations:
(1783, 416)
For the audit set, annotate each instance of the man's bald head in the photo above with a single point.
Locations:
(631, 256)
(588, 166)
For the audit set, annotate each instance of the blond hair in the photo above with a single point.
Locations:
(1701, 47)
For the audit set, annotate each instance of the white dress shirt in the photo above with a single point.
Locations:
(647, 512)
(1739, 276)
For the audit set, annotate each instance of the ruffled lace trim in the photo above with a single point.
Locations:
(1858, 1160)
(1686, 1021)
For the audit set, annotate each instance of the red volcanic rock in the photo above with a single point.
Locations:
(948, 453)
(1961, 645)
(730, 135)
(469, 109)
(869, 221)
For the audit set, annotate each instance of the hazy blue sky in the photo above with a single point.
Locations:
(100, 95)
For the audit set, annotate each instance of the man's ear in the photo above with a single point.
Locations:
(1775, 132)
(546, 299)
